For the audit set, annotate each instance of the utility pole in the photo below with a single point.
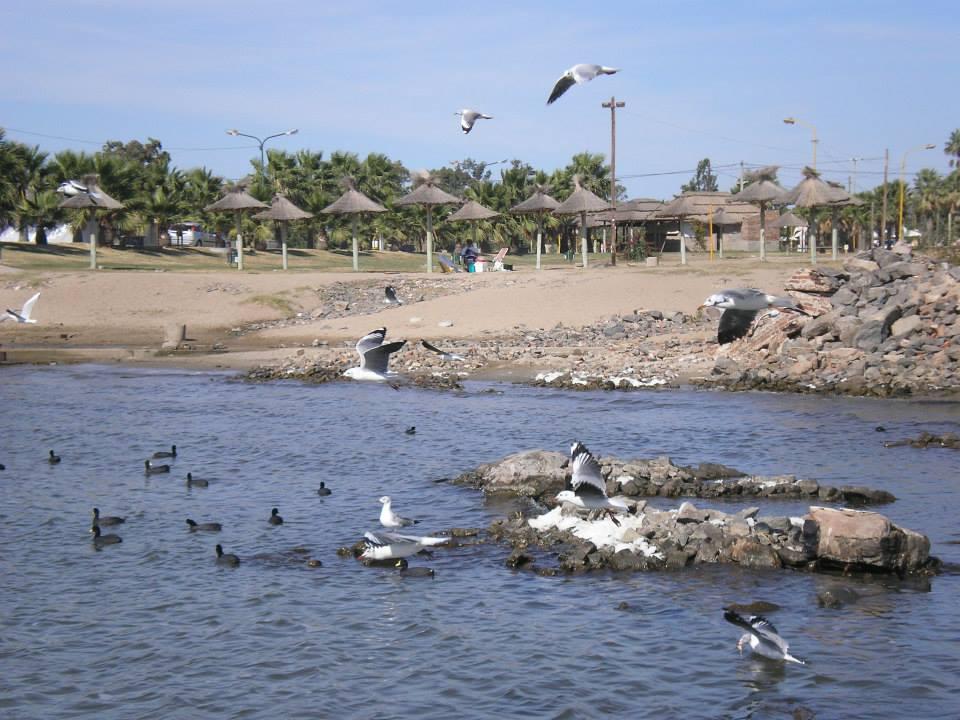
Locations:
(613, 105)
(741, 176)
(883, 211)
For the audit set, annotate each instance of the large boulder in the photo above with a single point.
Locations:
(530, 473)
(867, 540)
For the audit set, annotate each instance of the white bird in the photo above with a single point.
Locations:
(469, 117)
(578, 75)
(390, 296)
(740, 306)
(374, 357)
(392, 546)
(70, 188)
(24, 316)
(444, 355)
(588, 488)
(389, 519)
(761, 636)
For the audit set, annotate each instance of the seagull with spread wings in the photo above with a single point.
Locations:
(740, 307)
(761, 636)
(444, 355)
(374, 357)
(393, 546)
(25, 312)
(468, 117)
(588, 489)
(578, 75)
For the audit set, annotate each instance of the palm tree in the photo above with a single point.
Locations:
(41, 210)
(928, 189)
(952, 148)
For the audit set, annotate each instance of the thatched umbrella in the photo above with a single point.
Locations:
(760, 192)
(353, 203)
(580, 202)
(812, 193)
(236, 200)
(428, 194)
(790, 220)
(537, 204)
(682, 206)
(92, 197)
(473, 212)
(719, 220)
(283, 211)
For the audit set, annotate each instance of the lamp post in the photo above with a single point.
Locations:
(261, 142)
(795, 121)
(901, 231)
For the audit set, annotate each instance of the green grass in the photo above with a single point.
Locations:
(277, 302)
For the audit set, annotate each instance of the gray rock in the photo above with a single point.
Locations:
(690, 514)
(865, 539)
(907, 326)
(837, 597)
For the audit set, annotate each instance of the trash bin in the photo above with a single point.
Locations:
(232, 256)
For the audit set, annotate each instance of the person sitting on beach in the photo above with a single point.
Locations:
(457, 250)
(470, 255)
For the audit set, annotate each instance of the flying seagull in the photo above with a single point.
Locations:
(469, 117)
(761, 636)
(444, 355)
(578, 75)
(392, 546)
(24, 315)
(740, 306)
(588, 488)
(390, 296)
(71, 188)
(374, 356)
(389, 519)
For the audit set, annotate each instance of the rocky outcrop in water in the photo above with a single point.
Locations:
(561, 540)
(886, 325)
(928, 440)
(539, 474)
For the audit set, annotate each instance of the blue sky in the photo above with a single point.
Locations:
(700, 79)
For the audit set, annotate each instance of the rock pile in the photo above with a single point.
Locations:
(540, 475)
(886, 325)
(928, 440)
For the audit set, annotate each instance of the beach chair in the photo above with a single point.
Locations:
(446, 265)
(497, 261)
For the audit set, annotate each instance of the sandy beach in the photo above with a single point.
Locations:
(241, 320)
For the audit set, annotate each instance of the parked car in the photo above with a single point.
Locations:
(189, 232)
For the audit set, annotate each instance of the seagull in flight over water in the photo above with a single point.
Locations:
(740, 306)
(374, 357)
(588, 488)
(469, 117)
(392, 546)
(761, 636)
(25, 312)
(578, 75)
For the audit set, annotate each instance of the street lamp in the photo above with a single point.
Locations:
(236, 133)
(795, 121)
(903, 166)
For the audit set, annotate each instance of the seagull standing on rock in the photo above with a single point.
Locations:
(740, 306)
(578, 75)
(469, 117)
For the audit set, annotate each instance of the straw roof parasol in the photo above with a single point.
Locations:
(788, 219)
(812, 192)
(427, 193)
(540, 201)
(472, 210)
(581, 200)
(94, 197)
(763, 189)
(282, 209)
(636, 210)
(353, 201)
(720, 217)
(235, 199)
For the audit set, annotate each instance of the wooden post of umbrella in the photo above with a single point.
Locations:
(353, 202)
(428, 195)
(812, 192)
(283, 211)
(93, 198)
(710, 232)
(580, 202)
(236, 200)
(680, 207)
(538, 203)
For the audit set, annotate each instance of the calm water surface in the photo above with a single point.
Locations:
(153, 628)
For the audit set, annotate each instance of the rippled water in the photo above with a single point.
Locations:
(153, 628)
